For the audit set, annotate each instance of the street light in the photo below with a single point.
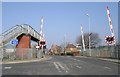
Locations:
(89, 34)
(64, 44)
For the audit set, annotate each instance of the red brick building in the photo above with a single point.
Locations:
(55, 49)
(70, 48)
(24, 43)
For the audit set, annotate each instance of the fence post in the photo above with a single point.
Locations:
(9, 56)
(31, 52)
(22, 55)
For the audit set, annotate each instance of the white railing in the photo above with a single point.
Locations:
(16, 31)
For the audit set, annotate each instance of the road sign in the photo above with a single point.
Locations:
(42, 42)
(109, 39)
(14, 42)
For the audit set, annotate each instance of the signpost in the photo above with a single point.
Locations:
(14, 42)
(43, 45)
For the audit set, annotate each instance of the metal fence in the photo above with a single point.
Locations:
(106, 52)
(20, 54)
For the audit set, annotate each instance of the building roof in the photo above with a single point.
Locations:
(70, 46)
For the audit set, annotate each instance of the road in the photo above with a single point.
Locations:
(63, 65)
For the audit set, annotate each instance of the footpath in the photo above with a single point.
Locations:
(26, 61)
(111, 60)
(105, 59)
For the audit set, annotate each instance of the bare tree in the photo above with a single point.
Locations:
(94, 38)
(63, 45)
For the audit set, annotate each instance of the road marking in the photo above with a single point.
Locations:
(7, 67)
(78, 60)
(107, 68)
(66, 67)
(79, 67)
(57, 67)
(74, 59)
(68, 56)
(62, 67)
(50, 58)
(71, 66)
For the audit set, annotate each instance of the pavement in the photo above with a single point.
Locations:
(63, 65)
(48, 57)
(105, 59)
(26, 61)
(111, 60)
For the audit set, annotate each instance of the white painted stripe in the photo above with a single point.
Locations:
(63, 68)
(57, 67)
(108, 12)
(60, 65)
(66, 67)
(68, 56)
(7, 67)
(76, 60)
(79, 67)
(109, 19)
(80, 61)
(107, 68)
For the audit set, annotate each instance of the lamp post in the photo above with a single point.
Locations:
(64, 44)
(89, 35)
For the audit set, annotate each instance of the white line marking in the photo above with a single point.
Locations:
(78, 60)
(74, 59)
(7, 67)
(60, 65)
(107, 68)
(68, 56)
(57, 67)
(79, 67)
(71, 66)
(66, 67)
(63, 68)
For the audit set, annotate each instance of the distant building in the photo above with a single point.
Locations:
(55, 49)
(72, 50)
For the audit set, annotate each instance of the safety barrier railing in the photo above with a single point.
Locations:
(19, 54)
(16, 31)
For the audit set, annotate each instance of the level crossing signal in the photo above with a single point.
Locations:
(42, 43)
(109, 39)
